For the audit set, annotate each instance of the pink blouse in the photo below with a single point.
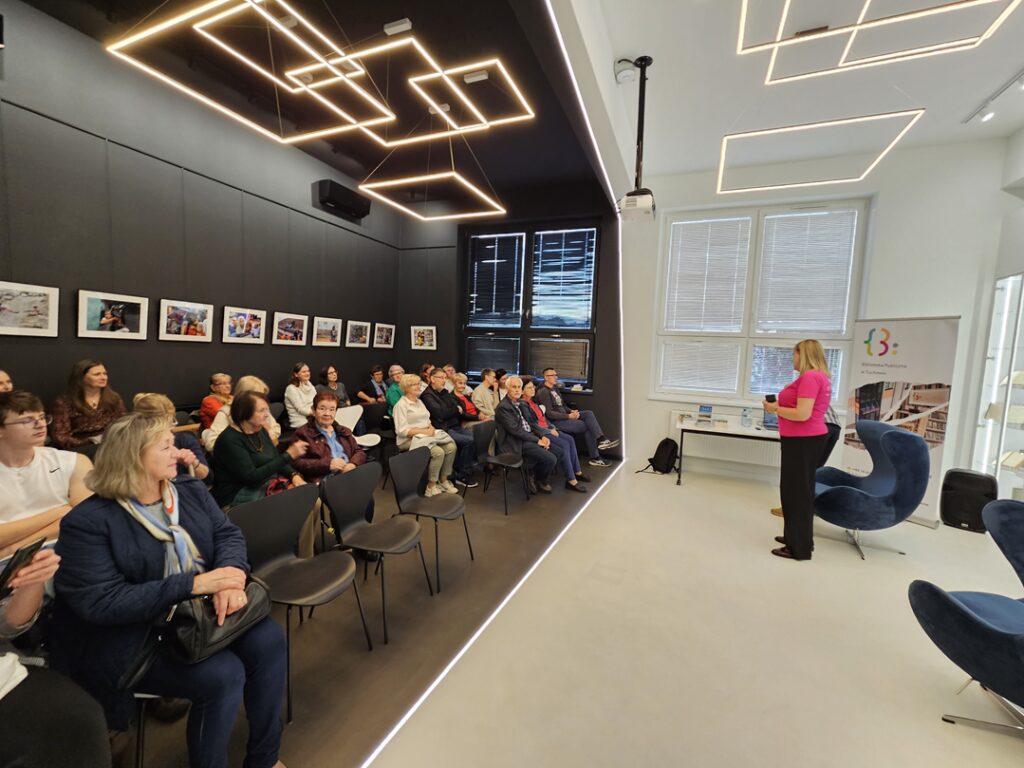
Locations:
(809, 384)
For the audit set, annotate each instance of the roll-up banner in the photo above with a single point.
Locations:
(902, 373)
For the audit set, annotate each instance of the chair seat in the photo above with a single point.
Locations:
(310, 582)
(447, 506)
(1004, 614)
(508, 460)
(385, 434)
(368, 440)
(394, 536)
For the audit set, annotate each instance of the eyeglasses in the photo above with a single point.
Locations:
(31, 420)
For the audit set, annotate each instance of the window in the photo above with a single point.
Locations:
(543, 306)
(741, 287)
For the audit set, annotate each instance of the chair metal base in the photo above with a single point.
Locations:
(853, 538)
(1016, 729)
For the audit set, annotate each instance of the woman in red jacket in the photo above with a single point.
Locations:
(332, 447)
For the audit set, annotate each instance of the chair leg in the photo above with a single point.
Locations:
(366, 567)
(426, 573)
(853, 537)
(140, 735)
(526, 481)
(302, 617)
(487, 477)
(362, 615)
(985, 725)
(504, 487)
(383, 598)
(437, 558)
(288, 667)
(468, 542)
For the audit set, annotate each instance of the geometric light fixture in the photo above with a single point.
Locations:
(913, 114)
(385, 191)
(844, 62)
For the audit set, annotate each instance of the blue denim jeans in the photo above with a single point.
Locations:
(585, 425)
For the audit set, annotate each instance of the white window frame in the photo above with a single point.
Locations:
(749, 337)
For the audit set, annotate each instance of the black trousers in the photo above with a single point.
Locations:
(540, 459)
(834, 430)
(800, 457)
(49, 722)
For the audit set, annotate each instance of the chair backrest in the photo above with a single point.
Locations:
(271, 525)
(483, 436)
(900, 465)
(407, 472)
(181, 418)
(1004, 519)
(349, 415)
(276, 409)
(373, 416)
(347, 495)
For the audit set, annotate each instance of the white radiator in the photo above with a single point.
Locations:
(726, 448)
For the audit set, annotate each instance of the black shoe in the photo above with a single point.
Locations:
(583, 478)
(531, 484)
(578, 488)
(543, 488)
(787, 553)
(467, 483)
(782, 540)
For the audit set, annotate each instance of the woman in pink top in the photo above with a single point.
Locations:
(801, 409)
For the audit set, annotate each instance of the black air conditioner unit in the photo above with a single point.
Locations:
(334, 197)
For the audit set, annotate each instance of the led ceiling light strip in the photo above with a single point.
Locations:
(371, 188)
(913, 114)
(528, 112)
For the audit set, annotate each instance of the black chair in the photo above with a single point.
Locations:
(377, 422)
(483, 434)
(408, 471)
(182, 418)
(346, 496)
(89, 450)
(271, 528)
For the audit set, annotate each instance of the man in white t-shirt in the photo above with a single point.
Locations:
(38, 485)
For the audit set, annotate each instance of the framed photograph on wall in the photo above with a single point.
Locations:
(290, 329)
(244, 326)
(104, 315)
(358, 334)
(28, 310)
(383, 336)
(424, 336)
(326, 332)
(185, 321)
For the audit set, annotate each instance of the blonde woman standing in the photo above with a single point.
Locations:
(414, 430)
(801, 410)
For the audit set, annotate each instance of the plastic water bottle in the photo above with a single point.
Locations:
(745, 418)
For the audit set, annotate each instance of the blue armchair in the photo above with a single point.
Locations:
(889, 495)
(1004, 519)
(983, 634)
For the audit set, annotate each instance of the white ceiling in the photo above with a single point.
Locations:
(699, 88)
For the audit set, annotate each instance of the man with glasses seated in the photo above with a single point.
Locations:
(38, 485)
(573, 422)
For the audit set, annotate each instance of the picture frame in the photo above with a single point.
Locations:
(383, 336)
(290, 330)
(326, 332)
(423, 337)
(242, 325)
(358, 334)
(104, 315)
(185, 321)
(28, 310)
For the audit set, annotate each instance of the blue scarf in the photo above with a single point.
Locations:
(180, 552)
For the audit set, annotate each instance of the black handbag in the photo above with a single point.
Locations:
(192, 633)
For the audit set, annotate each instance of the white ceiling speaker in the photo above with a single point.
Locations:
(625, 72)
(397, 27)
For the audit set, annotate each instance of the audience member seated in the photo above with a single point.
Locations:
(460, 388)
(191, 456)
(516, 436)
(38, 485)
(129, 555)
(330, 382)
(248, 464)
(485, 396)
(86, 408)
(47, 719)
(425, 370)
(446, 414)
(298, 396)
(394, 393)
(470, 414)
(375, 390)
(330, 447)
(539, 424)
(572, 421)
(414, 430)
(6, 384)
(223, 418)
(220, 395)
(502, 386)
(449, 372)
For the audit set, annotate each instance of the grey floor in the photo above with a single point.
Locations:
(347, 698)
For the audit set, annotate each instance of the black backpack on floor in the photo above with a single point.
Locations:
(665, 456)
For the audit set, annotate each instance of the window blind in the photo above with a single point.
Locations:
(703, 366)
(771, 368)
(496, 280)
(806, 266)
(707, 276)
(563, 278)
(567, 356)
(491, 352)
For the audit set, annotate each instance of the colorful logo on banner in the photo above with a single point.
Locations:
(880, 347)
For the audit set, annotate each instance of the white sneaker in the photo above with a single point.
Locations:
(433, 490)
(604, 445)
(599, 463)
(447, 487)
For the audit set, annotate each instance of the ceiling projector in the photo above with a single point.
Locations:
(637, 205)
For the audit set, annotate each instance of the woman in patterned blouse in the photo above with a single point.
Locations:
(87, 407)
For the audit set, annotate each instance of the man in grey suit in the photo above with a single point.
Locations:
(515, 436)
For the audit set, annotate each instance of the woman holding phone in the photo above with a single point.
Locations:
(801, 410)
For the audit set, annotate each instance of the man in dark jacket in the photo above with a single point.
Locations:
(515, 436)
(572, 421)
(446, 413)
